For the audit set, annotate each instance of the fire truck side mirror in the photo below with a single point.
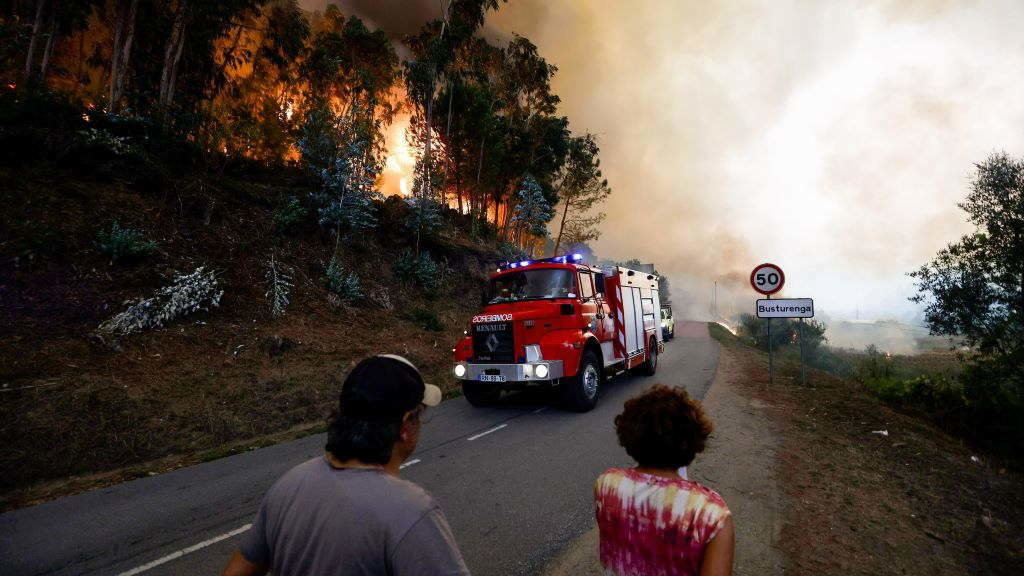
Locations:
(599, 283)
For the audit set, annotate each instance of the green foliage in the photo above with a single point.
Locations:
(280, 280)
(974, 289)
(338, 150)
(187, 294)
(421, 271)
(784, 332)
(532, 211)
(426, 319)
(289, 215)
(424, 216)
(123, 245)
(581, 186)
(119, 145)
(342, 282)
(508, 252)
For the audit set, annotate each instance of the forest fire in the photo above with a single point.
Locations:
(400, 163)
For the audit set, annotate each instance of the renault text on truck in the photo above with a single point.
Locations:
(560, 322)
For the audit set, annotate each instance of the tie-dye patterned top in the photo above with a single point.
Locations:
(652, 525)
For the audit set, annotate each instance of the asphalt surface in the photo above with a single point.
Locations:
(515, 481)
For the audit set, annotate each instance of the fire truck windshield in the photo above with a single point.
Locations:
(536, 284)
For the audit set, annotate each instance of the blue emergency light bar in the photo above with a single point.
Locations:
(566, 259)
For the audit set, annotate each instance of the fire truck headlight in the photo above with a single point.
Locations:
(541, 370)
(460, 370)
(528, 370)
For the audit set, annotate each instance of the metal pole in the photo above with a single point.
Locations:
(803, 371)
(771, 363)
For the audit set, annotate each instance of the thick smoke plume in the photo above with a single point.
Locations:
(832, 138)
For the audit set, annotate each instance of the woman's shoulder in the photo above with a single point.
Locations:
(711, 495)
(613, 477)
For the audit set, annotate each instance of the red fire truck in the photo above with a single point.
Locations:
(559, 322)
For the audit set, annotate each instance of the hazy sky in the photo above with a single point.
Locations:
(831, 138)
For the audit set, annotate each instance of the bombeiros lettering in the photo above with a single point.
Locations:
(492, 318)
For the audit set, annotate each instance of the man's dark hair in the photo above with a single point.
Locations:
(369, 441)
(663, 428)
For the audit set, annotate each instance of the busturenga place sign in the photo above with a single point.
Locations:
(786, 308)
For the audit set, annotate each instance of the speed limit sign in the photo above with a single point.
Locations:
(767, 278)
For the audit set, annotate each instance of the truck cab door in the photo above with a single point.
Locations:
(604, 326)
(590, 306)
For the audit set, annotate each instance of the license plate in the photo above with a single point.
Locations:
(490, 378)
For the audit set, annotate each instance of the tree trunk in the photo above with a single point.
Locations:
(50, 41)
(172, 55)
(426, 160)
(123, 36)
(37, 26)
(481, 199)
(561, 228)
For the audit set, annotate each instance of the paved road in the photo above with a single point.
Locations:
(514, 480)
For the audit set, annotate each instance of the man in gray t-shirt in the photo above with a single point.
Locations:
(348, 512)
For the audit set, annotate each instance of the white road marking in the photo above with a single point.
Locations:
(184, 551)
(409, 463)
(486, 432)
(539, 410)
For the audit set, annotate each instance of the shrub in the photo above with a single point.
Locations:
(421, 271)
(119, 145)
(426, 319)
(124, 244)
(508, 252)
(289, 215)
(279, 286)
(343, 283)
(188, 293)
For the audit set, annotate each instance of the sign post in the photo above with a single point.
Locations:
(768, 279)
(788, 308)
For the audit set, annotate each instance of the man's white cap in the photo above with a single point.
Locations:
(431, 394)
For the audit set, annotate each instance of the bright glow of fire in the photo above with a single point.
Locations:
(400, 163)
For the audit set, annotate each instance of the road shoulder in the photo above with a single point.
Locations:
(739, 463)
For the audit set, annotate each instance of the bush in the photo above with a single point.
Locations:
(426, 319)
(124, 244)
(289, 215)
(119, 145)
(198, 291)
(279, 286)
(343, 283)
(421, 271)
(508, 252)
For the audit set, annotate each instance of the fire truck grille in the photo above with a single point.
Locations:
(492, 342)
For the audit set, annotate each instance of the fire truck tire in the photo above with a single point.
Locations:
(580, 392)
(480, 394)
(649, 367)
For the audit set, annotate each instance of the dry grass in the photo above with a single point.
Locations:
(205, 384)
(860, 502)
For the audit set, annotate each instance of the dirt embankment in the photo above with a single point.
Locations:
(210, 383)
(868, 490)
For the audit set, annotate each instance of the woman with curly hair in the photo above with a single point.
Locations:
(652, 519)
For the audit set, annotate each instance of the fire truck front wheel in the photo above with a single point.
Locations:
(480, 393)
(579, 393)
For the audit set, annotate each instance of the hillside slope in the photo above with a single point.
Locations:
(212, 378)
